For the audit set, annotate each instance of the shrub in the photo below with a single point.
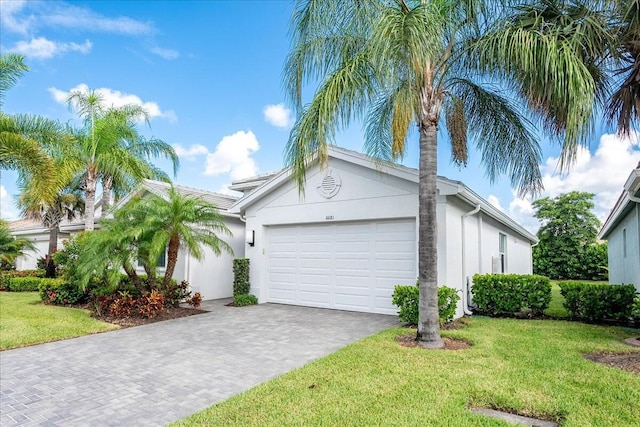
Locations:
(405, 297)
(596, 302)
(23, 284)
(244, 299)
(241, 283)
(122, 305)
(195, 300)
(60, 292)
(635, 311)
(151, 304)
(508, 294)
(176, 293)
(7, 275)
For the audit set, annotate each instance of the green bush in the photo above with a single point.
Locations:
(596, 302)
(635, 311)
(24, 284)
(7, 275)
(405, 297)
(508, 294)
(244, 299)
(60, 292)
(241, 283)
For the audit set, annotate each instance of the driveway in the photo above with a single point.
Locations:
(154, 374)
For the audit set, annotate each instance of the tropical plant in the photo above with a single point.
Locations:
(68, 204)
(22, 137)
(12, 247)
(110, 148)
(414, 62)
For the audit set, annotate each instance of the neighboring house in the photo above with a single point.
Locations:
(622, 232)
(352, 236)
(212, 277)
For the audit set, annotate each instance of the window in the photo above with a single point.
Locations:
(624, 242)
(502, 251)
(162, 260)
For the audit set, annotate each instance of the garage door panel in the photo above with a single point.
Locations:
(349, 266)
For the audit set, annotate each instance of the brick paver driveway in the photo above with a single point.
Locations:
(158, 373)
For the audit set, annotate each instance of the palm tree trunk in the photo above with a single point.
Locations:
(131, 272)
(90, 200)
(428, 318)
(151, 276)
(107, 182)
(50, 269)
(172, 258)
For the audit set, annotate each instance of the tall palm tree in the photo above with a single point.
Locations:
(178, 221)
(110, 147)
(397, 64)
(22, 137)
(11, 247)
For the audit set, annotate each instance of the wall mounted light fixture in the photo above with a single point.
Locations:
(250, 237)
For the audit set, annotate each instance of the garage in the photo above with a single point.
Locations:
(343, 265)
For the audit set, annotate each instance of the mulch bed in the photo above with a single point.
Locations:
(627, 361)
(166, 314)
(449, 343)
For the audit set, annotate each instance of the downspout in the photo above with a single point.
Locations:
(465, 285)
(632, 197)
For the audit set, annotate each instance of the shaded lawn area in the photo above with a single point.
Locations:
(533, 367)
(24, 320)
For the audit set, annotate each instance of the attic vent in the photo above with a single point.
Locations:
(330, 184)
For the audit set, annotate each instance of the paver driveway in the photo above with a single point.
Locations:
(157, 373)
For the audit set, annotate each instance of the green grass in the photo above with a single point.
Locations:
(534, 367)
(556, 308)
(24, 320)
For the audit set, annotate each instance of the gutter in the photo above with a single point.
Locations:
(465, 283)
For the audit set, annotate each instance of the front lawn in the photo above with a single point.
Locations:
(532, 367)
(24, 320)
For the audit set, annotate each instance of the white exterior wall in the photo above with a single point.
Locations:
(625, 269)
(213, 275)
(364, 195)
(41, 239)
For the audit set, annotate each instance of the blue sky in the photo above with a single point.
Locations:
(209, 73)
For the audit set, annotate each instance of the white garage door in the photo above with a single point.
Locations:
(346, 266)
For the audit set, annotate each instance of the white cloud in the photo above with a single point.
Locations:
(192, 152)
(7, 209)
(233, 156)
(166, 53)
(495, 202)
(41, 48)
(278, 115)
(22, 17)
(115, 98)
(603, 173)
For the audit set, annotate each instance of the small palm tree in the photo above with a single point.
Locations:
(175, 222)
(11, 247)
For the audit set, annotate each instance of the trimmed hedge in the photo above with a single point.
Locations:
(60, 292)
(241, 283)
(596, 302)
(508, 294)
(7, 276)
(405, 297)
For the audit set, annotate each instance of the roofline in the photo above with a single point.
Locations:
(630, 189)
(399, 171)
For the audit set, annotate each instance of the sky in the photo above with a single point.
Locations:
(209, 73)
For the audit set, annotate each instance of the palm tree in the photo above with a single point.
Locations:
(178, 221)
(68, 204)
(396, 64)
(22, 137)
(11, 247)
(110, 148)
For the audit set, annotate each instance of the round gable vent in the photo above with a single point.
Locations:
(330, 184)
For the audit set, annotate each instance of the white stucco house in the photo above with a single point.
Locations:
(212, 276)
(621, 229)
(349, 239)
(353, 235)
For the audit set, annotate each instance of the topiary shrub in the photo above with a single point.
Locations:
(244, 299)
(405, 297)
(597, 302)
(23, 284)
(7, 275)
(508, 294)
(241, 283)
